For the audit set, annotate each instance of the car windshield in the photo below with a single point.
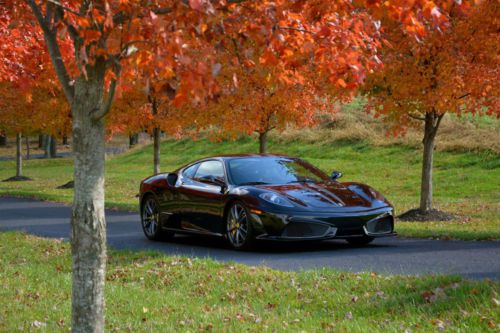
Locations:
(272, 170)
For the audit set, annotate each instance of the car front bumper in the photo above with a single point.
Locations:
(320, 226)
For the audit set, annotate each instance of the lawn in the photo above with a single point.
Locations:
(465, 183)
(148, 292)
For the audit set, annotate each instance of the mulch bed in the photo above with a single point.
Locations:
(17, 179)
(70, 184)
(414, 215)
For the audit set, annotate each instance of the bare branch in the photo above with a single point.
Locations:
(464, 95)
(296, 29)
(54, 52)
(57, 3)
(439, 118)
(416, 117)
(99, 114)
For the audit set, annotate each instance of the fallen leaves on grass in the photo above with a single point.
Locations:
(38, 324)
(434, 295)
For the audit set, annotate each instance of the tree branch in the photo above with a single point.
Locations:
(54, 52)
(57, 3)
(439, 118)
(464, 95)
(111, 94)
(416, 117)
(296, 29)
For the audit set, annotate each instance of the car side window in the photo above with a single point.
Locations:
(210, 168)
(190, 171)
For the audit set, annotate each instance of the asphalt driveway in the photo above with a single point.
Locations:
(386, 255)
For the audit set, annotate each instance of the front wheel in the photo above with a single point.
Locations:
(239, 231)
(150, 219)
(359, 241)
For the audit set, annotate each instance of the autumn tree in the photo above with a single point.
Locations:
(259, 102)
(10, 123)
(23, 114)
(92, 43)
(453, 69)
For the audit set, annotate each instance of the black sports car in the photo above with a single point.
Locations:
(273, 197)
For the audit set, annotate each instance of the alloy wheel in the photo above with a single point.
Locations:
(150, 218)
(237, 225)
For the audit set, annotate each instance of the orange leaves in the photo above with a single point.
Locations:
(275, 53)
(341, 82)
(196, 4)
(443, 71)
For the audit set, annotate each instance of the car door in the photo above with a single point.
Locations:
(201, 200)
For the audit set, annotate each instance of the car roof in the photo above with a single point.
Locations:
(228, 157)
(232, 156)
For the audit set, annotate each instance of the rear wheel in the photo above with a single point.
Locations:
(358, 241)
(239, 230)
(150, 219)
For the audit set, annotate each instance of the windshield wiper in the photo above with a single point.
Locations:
(306, 180)
(254, 183)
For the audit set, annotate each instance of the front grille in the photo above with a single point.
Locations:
(380, 226)
(350, 231)
(303, 229)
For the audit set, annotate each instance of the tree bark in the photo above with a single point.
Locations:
(3, 140)
(156, 149)
(53, 146)
(133, 139)
(432, 120)
(46, 147)
(19, 155)
(263, 142)
(41, 141)
(88, 237)
(27, 147)
(156, 138)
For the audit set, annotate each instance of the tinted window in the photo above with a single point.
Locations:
(189, 172)
(210, 168)
(272, 170)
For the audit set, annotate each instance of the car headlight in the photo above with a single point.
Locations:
(276, 199)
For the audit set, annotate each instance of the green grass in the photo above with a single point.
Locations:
(148, 292)
(467, 184)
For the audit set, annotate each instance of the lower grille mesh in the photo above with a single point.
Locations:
(301, 229)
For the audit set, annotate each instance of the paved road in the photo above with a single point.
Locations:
(390, 255)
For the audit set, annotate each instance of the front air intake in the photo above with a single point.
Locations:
(383, 225)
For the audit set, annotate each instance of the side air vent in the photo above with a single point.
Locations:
(383, 225)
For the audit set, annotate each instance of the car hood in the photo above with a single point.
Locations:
(330, 195)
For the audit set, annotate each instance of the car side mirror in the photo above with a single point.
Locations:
(172, 179)
(336, 175)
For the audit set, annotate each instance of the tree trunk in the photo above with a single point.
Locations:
(27, 147)
(46, 147)
(53, 146)
(19, 155)
(88, 237)
(133, 139)
(263, 142)
(156, 148)
(432, 120)
(41, 141)
(65, 140)
(3, 140)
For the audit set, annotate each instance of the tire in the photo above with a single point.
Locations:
(239, 229)
(360, 241)
(150, 220)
